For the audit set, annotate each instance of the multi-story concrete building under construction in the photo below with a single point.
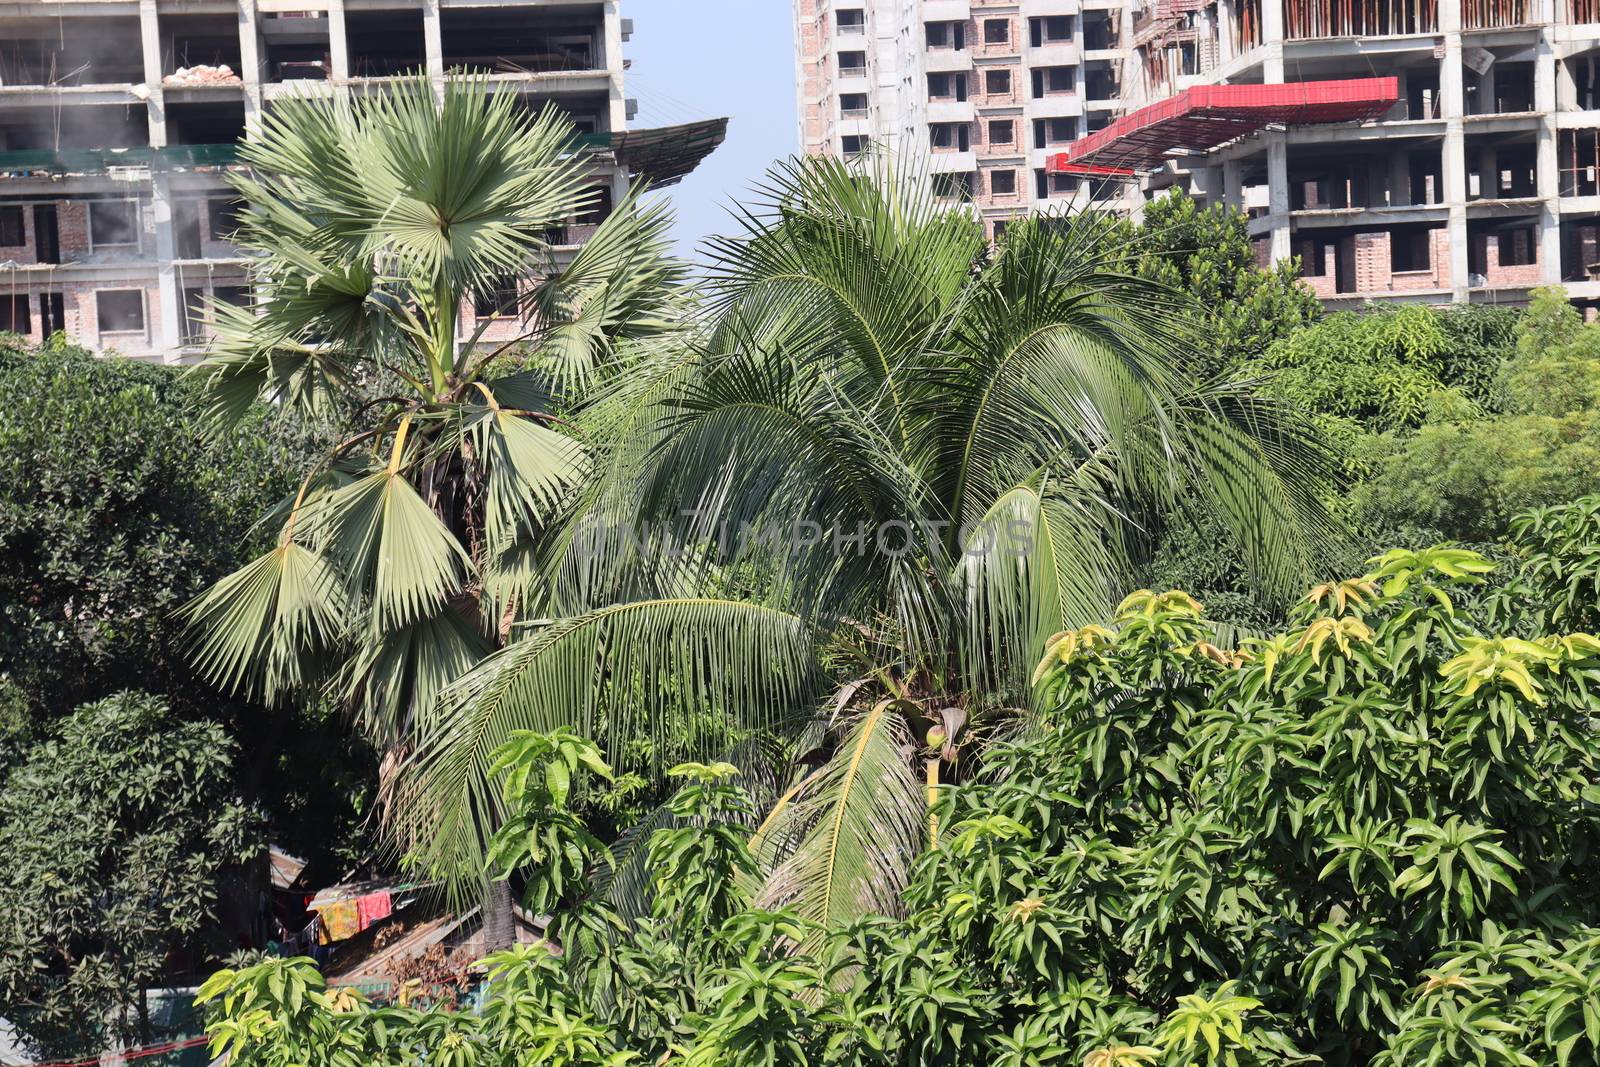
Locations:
(119, 121)
(1431, 150)
(987, 90)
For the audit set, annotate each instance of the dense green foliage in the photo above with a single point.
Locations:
(407, 553)
(114, 511)
(1531, 439)
(1207, 252)
(1368, 839)
(121, 834)
(115, 508)
(890, 464)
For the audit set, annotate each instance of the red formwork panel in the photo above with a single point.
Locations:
(1206, 116)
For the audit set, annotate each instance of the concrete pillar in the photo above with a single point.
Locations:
(150, 42)
(1547, 176)
(1272, 37)
(1233, 184)
(167, 288)
(169, 292)
(1452, 101)
(433, 42)
(250, 59)
(338, 43)
(617, 102)
(1227, 27)
(1278, 194)
(1399, 178)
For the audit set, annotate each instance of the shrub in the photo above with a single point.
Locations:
(119, 834)
(1367, 839)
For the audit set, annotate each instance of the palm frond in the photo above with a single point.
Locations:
(1033, 565)
(397, 676)
(863, 820)
(392, 547)
(621, 285)
(263, 629)
(611, 675)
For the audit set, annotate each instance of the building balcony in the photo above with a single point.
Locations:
(58, 95)
(951, 111)
(1053, 54)
(1042, 8)
(946, 10)
(1055, 106)
(24, 163)
(946, 60)
(853, 80)
(948, 162)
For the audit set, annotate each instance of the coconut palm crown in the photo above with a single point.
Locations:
(891, 464)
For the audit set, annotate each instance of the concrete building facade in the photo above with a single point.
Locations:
(1479, 183)
(119, 121)
(986, 89)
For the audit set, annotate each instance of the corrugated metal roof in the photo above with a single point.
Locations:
(1207, 116)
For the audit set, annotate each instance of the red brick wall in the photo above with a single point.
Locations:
(127, 343)
(1326, 283)
(1512, 274)
(25, 253)
(980, 85)
(72, 219)
(1012, 46)
(812, 36)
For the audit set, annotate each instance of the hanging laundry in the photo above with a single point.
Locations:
(340, 920)
(374, 907)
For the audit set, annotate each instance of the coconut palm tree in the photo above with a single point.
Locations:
(371, 221)
(893, 463)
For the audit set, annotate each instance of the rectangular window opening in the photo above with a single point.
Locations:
(120, 310)
(113, 223)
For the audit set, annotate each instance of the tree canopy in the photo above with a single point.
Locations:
(122, 832)
(115, 509)
(1363, 840)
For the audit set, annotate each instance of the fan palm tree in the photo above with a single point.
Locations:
(405, 555)
(893, 462)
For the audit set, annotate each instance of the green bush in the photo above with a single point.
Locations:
(120, 834)
(1465, 474)
(1367, 839)
(1207, 251)
(114, 511)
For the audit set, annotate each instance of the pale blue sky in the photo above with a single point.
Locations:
(698, 59)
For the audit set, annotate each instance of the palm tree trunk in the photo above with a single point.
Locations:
(499, 920)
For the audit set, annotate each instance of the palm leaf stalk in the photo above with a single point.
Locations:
(911, 458)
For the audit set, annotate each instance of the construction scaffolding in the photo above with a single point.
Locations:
(1359, 18)
(1494, 14)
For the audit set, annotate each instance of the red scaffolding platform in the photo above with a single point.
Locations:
(1207, 116)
